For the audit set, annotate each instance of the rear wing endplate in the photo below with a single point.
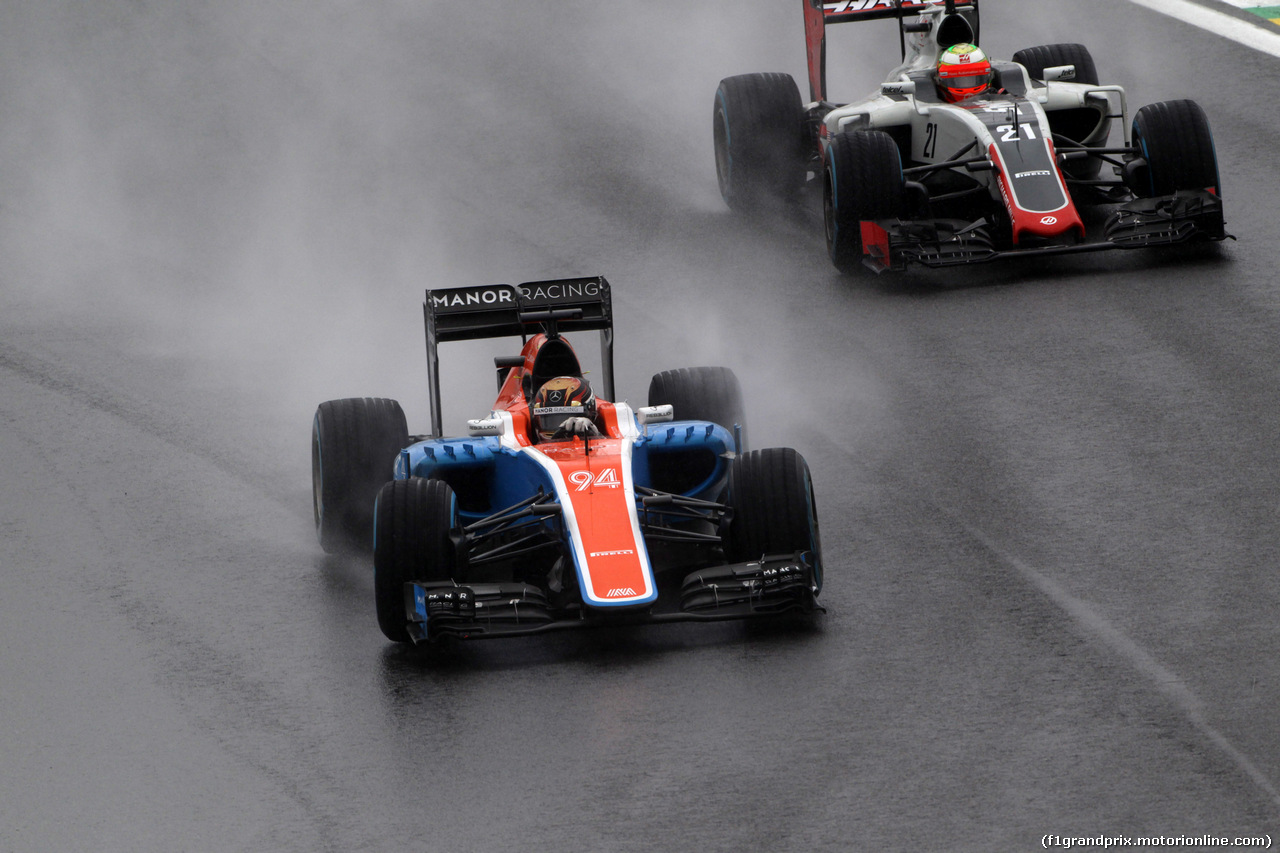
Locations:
(819, 13)
(505, 310)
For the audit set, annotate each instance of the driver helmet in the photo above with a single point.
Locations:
(561, 398)
(963, 71)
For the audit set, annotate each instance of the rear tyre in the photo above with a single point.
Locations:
(774, 511)
(701, 394)
(354, 443)
(411, 543)
(862, 182)
(759, 140)
(1084, 125)
(1174, 139)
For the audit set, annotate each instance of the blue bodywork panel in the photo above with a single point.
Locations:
(512, 476)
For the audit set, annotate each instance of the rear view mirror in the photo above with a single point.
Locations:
(655, 414)
(486, 426)
(896, 88)
(1060, 72)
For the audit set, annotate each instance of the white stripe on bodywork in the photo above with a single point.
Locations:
(630, 432)
(566, 504)
(627, 424)
(627, 421)
(508, 430)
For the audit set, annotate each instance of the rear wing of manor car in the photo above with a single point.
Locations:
(505, 310)
(819, 13)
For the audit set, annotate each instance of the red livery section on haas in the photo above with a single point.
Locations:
(963, 158)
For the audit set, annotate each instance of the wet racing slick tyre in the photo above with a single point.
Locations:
(411, 543)
(760, 147)
(1037, 59)
(354, 443)
(774, 511)
(1174, 139)
(862, 182)
(702, 394)
(1085, 125)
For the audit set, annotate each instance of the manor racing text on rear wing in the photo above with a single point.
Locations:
(505, 310)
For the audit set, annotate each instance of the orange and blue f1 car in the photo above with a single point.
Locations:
(657, 514)
(958, 158)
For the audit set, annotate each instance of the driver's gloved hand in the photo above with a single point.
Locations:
(577, 426)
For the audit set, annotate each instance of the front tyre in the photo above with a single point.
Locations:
(1174, 140)
(759, 140)
(774, 511)
(411, 543)
(862, 182)
(354, 443)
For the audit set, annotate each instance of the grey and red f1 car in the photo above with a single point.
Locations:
(1027, 167)
(657, 514)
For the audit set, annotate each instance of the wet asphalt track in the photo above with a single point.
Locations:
(1047, 490)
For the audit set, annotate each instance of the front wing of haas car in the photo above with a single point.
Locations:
(1045, 161)
(1011, 186)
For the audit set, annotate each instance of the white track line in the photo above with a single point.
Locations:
(1164, 679)
(1221, 23)
(1093, 624)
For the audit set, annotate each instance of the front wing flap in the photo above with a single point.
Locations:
(1187, 216)
(773, 584)
(770, 586)
(1179, 218)
(495, 609)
